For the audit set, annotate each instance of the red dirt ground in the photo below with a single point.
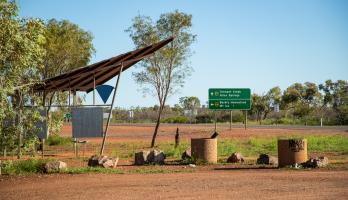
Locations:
(143, 132)
(224, 184)
(203, 182)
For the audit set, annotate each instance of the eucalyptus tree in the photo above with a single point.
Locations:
(67, 47)
(336, 97)
(165, 72)
(301, 98)
(21, 59)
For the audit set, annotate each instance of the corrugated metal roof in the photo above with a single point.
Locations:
(81, 79)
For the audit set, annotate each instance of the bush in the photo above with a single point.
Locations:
(23, 166)
(177, 119)
(204, 118)
(57, 140)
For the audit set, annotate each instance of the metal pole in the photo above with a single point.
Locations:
(215, 120)
(93, 89)
(231, 120)
(43, 139)
(321, 122)
(110, 112)
(75, 139)
(245, 120)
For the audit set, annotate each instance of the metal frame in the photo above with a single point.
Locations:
(86, 79)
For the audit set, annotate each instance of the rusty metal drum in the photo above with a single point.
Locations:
(291, 151)
(204, 149)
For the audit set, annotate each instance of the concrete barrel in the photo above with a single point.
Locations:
(204, 149)
(291, 151)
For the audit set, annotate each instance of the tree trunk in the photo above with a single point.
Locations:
(157, 126)
(18, 123)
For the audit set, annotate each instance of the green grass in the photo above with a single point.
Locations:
(335, 143)
(17, 167)
(250, 147)
(55, 140)
(89, 170)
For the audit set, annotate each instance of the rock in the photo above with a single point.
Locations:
(140, 158)
(317, 162)
(265, 159)
(186, 155)
(55, 167)
(235, 158)
(192, 165)
(156, 157)
(102, 161)
(215, 134)
(93, 161)
(149, 157)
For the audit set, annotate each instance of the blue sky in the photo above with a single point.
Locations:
(240, 44)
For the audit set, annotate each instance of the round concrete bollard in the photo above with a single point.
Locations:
(204, 149)
(291, 151)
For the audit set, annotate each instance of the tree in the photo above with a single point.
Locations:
(67, 47)
(190, 104)
(165, 72)
(301, 98)
(21, 53)
(262, 105)
(336, 96)
(259, 106)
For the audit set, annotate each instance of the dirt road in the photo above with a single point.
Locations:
(143, 132)
(216, 184)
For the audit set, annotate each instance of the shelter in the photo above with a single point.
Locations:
(88, 77)
(85, 78)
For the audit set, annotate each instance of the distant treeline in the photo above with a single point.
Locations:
(307, 104)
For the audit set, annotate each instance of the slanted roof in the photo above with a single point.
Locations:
(81, 79)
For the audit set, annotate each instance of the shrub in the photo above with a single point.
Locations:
(55, 139)
(23, 166)
(177, 119)
(204, 118)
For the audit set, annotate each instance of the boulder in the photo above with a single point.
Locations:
(186, 155)
(55, 167)
(102, 161)
(140, 158)
(235, 158)
(149, 157)
(317, 162)
(156, 157)
(265, 159)
(93, 161)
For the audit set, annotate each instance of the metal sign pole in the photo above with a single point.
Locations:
(231, 120)
(245, 120)
(110, 112)
(215, 121)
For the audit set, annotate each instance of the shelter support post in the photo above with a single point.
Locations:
(110, 111)
(75, 139)
(43, 139)
(93, 89)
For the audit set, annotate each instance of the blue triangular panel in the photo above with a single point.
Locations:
(104, 91)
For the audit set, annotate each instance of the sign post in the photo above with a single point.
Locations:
(230, 99)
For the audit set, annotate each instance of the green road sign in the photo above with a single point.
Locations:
(229, 93)
(229, 99)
